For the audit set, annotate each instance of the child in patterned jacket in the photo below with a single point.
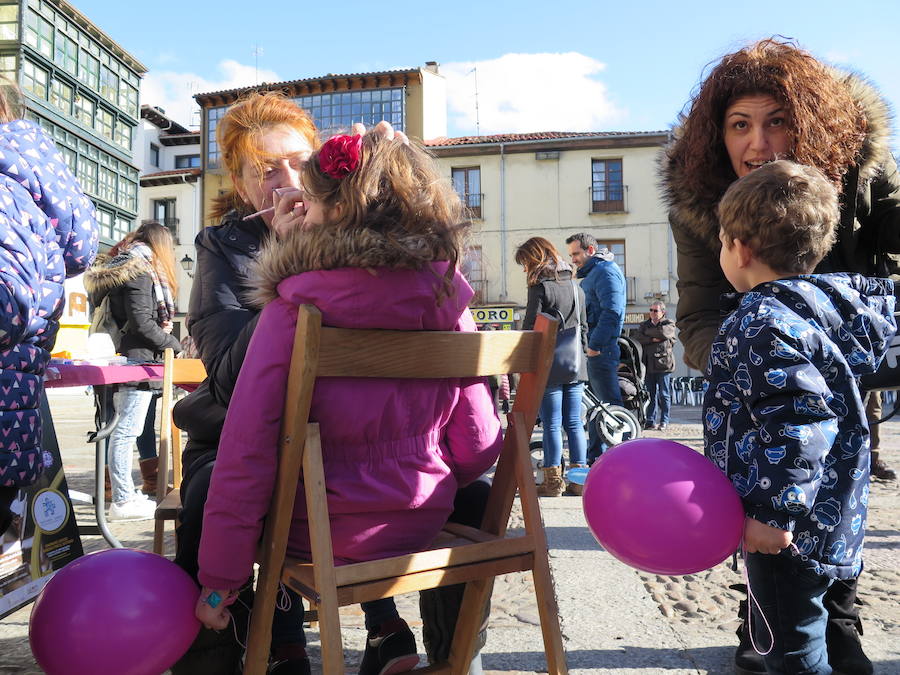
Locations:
(783, 417)
(47, 232)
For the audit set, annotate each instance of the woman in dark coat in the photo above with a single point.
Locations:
(138, 276)
(772, 100)
(552, 290)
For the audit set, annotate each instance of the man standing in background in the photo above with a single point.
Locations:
(604, 291)
(657, 337)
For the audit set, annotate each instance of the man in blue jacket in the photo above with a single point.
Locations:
(604, 291)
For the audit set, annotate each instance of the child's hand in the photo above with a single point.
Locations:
(289, 210)
(762, 538)
(212, 608)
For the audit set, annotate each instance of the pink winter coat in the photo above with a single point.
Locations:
(395, 451)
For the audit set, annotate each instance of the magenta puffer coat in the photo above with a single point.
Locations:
(395, 451)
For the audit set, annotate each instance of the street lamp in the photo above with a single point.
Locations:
(187, 264)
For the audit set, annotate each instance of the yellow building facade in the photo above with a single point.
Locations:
(554, 185)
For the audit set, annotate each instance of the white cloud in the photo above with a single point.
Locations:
(520, 93)
(174, 91)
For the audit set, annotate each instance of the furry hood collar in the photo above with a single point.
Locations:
(109, 272)
(697, 212)
(328, 248)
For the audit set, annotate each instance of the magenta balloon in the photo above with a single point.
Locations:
(662, 507)
(114, 612)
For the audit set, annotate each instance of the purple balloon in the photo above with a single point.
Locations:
(114, 612)
(662, 507)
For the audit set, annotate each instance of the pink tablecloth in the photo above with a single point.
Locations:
(82, 375)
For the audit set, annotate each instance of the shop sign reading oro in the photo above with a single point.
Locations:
(501, 317)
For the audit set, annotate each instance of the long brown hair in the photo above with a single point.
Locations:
(159, 238)
(826, 126)
(240, 130)
(397, 191)
(540, 259)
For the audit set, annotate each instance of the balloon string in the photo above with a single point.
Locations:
(752, 599)
(282, 602)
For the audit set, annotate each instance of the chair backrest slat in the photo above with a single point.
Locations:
(435, 354)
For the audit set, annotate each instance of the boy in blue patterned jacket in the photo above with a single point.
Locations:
(783, 417)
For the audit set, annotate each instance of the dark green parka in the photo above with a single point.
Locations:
(868, 237)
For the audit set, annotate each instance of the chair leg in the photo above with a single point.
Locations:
(159, 537)
(259, 637)
(548, 610)
(471, 616)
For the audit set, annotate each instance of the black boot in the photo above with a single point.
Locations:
(845, 652)
(746, 659)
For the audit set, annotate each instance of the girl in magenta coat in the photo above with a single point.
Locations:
(379, 250)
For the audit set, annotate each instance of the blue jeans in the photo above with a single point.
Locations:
(659, 385)
(561, 408)
(603, 379)
(791, 600)
(146, 442)
(132, 405)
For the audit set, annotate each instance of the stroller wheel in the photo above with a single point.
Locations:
(537, 454)
(617, 424)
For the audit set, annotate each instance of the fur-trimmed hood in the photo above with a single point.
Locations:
(697, 212)
(329, 248)
(110, 272)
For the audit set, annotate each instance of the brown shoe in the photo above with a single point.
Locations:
(553, 484)
(149, 469)
(881, 470)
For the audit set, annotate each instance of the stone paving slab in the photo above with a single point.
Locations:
(614, 619)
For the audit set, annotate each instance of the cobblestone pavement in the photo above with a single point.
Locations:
(615, 619)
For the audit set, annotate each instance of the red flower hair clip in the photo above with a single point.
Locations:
(339, 156)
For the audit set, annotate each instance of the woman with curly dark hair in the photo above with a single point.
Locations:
(772, 100)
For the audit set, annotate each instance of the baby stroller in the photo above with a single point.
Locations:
(631, 379)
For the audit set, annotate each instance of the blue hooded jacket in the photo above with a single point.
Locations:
(782, 412)
(604, 294)
(47, 232)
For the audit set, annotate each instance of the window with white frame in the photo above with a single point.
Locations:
(9, 22)
(617, 248)
(35, 79)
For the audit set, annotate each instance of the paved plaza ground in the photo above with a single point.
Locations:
(615, 619)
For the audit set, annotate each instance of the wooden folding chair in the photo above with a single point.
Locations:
(460, 554)
(168, 497)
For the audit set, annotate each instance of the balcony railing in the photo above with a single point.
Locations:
(472, 201)
(480, 286)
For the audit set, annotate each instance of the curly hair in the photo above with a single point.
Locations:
(540, 259)
(397, 191)
(825, 125)
(786, 213)
(240, 131)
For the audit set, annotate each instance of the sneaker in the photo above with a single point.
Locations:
(663, 426)
(649, 426)
(389, 650)
(133, 509)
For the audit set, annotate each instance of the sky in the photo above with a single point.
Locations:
(557, 65)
